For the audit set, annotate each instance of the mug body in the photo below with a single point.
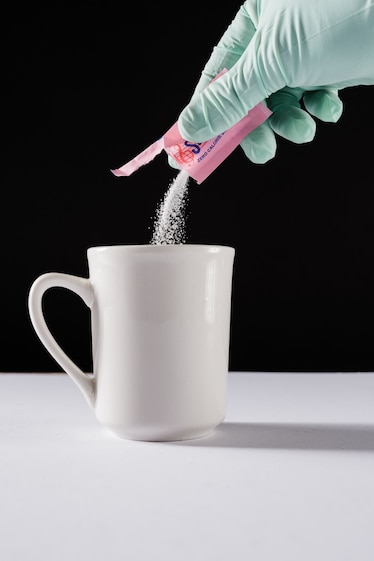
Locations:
(160, 338)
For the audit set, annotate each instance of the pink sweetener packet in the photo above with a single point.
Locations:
(198, 159)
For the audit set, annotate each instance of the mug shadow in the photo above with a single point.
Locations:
(288, 436)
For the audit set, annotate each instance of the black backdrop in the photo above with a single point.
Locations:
(86, 89)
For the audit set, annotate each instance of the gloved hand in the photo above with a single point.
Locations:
(295, 55)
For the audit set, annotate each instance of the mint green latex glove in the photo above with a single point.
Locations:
(295, 55)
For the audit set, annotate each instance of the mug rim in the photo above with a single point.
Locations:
(211, 248)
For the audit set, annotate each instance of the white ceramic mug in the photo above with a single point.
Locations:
(160, 317)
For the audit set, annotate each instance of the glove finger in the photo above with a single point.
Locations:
(293, 124)
(289, 120)
(260, 146)
(229, 49)
(324, 104)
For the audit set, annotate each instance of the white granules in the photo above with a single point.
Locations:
(169, 227)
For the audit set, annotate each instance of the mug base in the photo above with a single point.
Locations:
(160, 435)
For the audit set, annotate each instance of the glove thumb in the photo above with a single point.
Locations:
(227, 100)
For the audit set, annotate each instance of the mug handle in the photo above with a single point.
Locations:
(83, 288)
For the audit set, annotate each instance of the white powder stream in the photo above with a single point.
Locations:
(169, 227)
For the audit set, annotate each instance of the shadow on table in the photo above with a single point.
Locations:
(288, 436)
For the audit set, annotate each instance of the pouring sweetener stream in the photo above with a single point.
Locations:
(170, 227)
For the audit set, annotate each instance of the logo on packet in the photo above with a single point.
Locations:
(185, 153)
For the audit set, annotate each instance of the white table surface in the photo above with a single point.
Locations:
(289, 476)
